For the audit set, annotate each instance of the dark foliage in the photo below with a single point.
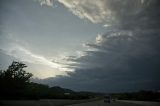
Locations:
(13, 81)
(15, 84)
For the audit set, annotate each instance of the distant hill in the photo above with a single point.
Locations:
(58, 89)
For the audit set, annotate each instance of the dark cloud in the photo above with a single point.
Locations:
(145, 17)
(126, 57)
(123, 65)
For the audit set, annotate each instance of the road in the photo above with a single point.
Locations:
(101, 103)
(52, 102)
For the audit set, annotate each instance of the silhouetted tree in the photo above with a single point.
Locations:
(14, 76)
(14, 81)
(15, 84)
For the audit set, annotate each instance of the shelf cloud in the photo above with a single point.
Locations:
(126, 57)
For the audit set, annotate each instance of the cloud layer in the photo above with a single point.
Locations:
(39, 65)
(46, 2)
(93, 10)
(104, 10)
(126, 57)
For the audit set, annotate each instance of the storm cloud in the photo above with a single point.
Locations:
(126, 57)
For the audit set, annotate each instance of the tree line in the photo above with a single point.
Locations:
(15, 84)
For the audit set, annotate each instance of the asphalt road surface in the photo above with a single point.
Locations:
(102, 103)
(52, 102)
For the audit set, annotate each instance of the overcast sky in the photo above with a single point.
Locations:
(96, 45)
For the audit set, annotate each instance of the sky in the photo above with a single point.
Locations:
(91, 45)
